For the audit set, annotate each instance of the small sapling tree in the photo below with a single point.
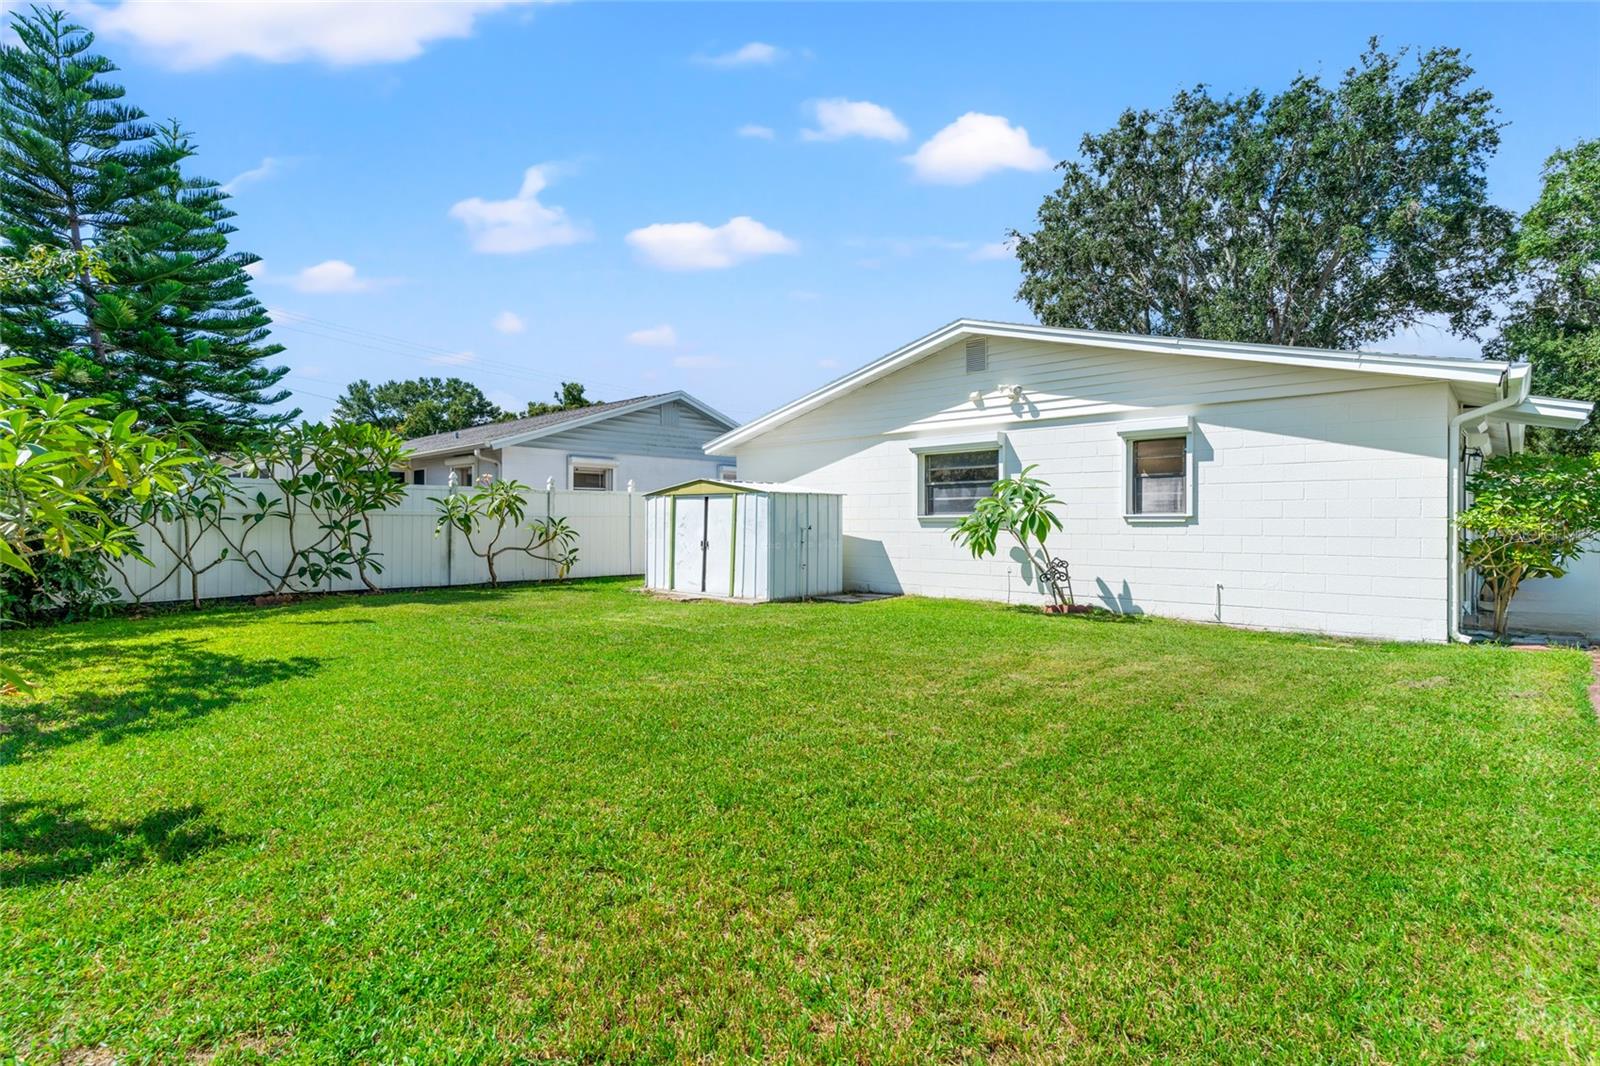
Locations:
(1021, 507)
(1530, 516)
(495, 513)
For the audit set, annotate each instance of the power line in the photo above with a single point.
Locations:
(427, 353)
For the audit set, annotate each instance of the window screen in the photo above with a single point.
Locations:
(419, 477)
(594, 478)
(1160, 476)
(953, 481)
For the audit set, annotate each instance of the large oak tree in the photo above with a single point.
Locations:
(1328, 216)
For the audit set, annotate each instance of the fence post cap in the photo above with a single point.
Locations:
(630, 484)
(549, 484)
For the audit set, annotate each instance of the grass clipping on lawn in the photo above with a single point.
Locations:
(572, 822)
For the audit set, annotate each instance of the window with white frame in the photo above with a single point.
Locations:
(1160, 476)
(954, 481)
(463, 475)
(728, 473)
(419, 477)
(592, 478)
(1159, 470)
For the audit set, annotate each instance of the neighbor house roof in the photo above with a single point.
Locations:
(1477, 381)
(522, 430)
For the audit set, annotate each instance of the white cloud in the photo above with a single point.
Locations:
(1005, 249)
(268, 167)
(454, 359)
(975, 146)
(332, 275)
(336, 32)
(520, 224)
(697, 246)
(760, 133)
(754, 54)
(509, 322)
(839, 118)
(662, 336)
(700, 362)
(258, 269)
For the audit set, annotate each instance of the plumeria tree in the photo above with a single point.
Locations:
(1022, 507)
(64, 464)
(492, 519)
(1531, 515)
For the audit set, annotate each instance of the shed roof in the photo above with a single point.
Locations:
(707, 487)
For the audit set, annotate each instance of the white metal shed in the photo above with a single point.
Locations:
(744, 541)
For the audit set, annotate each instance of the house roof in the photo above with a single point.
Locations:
(1477, 381)
(522, 430)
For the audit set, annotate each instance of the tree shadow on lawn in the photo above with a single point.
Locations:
(180, 682)
(44, 843)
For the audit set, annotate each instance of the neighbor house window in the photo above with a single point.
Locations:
(419, 477)
(728, 473)
(463, 476)
(953, 482)
(593, 478)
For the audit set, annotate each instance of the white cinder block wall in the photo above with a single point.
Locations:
(1322, 511)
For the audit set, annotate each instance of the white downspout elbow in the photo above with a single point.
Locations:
(1516, 386)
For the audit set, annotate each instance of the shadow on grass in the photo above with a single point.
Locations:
(44, 843)
(180, 682)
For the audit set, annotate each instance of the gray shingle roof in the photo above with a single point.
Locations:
(479, 436)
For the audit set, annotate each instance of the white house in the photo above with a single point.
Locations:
(1256, 485)
(649, 440)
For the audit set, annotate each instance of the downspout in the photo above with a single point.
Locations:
(1516, 383)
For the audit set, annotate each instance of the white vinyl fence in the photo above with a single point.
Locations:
(610, 528)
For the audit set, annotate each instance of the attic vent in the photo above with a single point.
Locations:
(977, 355)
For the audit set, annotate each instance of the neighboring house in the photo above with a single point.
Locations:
(650, 441)
(1264, 486)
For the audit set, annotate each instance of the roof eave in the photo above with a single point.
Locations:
(1549, 412)
(512, 440)
(1450, 370)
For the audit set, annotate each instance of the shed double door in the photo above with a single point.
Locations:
(702, 545)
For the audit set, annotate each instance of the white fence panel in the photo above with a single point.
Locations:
(1568, 604)
(610, 527)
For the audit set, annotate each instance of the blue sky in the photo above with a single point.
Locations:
(381, 163)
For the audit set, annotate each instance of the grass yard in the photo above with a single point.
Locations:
(574, 824)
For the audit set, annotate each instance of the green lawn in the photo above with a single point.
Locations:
(573, 823)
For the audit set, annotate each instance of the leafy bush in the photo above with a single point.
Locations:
(59, 588)
(1530, 516)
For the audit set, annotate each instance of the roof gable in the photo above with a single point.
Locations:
(521, 430)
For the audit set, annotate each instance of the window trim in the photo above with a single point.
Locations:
(995, 444)
(1158, 429)
(589, 465)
